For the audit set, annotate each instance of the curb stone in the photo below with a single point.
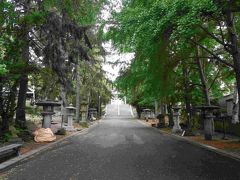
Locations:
(210, 148)
(30, 154)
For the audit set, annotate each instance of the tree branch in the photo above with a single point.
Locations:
(195, 84)
(214, 55)
(216, 39)
(214, 80)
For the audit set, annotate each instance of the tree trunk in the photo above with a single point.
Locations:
(186, 97)
(64, 103)
(4, 120)
(22, 95)
(99, 106)
(235, 50)
(156, 107)
(235, 109)
(5, 123)
(21, 103)
(203, 79)
(138, 109)
(88, 102)
(78, 93)
(208, 122)
(7, 109)
(1, 103)
(12, 102)
(168, 108)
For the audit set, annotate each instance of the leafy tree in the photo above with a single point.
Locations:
(11, 65)
(42, 39)
(171, 41)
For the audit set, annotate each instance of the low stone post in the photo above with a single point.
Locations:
(70, 114)
(83, 111)
(176, 127)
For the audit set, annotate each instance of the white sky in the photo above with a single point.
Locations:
(113, 55)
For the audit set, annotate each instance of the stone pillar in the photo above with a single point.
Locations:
(84, 116)
(176, 127)
(208, 130)
(83, 111)
(207, 112)
(47, 118)
(70, 114)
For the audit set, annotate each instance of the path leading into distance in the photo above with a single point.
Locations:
(121, 148)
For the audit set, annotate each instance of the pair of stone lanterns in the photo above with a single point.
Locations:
(207, 114)
(48, 111)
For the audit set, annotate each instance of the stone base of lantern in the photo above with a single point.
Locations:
(176, 130)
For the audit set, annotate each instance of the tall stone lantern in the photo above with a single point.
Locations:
(176, 114)
(83, 111)
(48, 111)
(207, 114)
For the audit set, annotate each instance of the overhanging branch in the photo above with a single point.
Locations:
(214, 55)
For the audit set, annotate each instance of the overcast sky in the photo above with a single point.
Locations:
(122, 59)
(113, 55)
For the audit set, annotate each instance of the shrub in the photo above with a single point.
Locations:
(25, 135)
(84, 124)
(6, 137)
(61, 131)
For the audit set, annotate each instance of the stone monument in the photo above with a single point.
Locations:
(176, 127)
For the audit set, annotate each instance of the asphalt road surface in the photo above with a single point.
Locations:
(121, 148)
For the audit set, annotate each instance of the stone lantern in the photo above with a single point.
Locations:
(147, 113)
(207, 115)
(48, 111)
(70, 114)
(83, 110)
(92, 112)
(176, 114)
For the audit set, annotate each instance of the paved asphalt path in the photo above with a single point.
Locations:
(121, 148)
